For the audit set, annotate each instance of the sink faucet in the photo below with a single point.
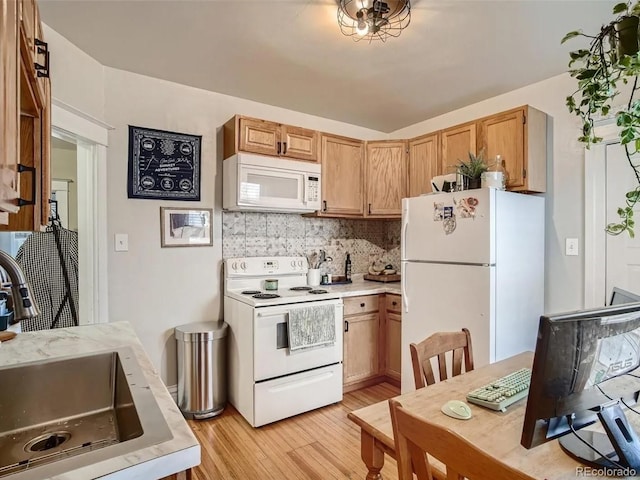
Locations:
(24, 304)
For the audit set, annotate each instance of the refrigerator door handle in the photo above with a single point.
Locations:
(405, 225)
(405, 299)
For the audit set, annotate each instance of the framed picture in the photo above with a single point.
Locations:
(186, 227)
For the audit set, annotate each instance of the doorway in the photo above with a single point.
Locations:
(610, 260)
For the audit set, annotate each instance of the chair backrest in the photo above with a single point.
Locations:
(437, 345)
(415, 437)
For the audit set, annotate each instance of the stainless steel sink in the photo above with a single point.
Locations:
(63, 414)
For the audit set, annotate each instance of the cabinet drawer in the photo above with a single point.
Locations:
(357, 305)
(394, 303)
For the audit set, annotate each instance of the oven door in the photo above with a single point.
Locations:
(271, 347)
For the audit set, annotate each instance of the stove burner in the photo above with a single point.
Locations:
(251, 292)
(301, 289)
(266, 295)
(317, 292)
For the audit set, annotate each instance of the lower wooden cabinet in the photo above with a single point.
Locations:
(361, 360)
(394, 329)
(361, 347)
(372, 329)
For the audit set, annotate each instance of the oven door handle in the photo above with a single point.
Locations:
(280, 313)
(275, 314)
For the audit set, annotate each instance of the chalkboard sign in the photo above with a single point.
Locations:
(163, 165)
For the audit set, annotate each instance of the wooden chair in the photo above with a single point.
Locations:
(437, 345)
(415, 437)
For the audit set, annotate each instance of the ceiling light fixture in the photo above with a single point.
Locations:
(373, 19)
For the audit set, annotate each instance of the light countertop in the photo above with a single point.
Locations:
(178, 454)
(359, 286)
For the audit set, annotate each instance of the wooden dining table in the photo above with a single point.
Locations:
(497, 433)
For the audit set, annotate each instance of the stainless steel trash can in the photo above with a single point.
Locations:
(202, 368)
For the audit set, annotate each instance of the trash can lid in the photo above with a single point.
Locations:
(201, 331)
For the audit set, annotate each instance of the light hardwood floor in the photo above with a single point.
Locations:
(319, 445)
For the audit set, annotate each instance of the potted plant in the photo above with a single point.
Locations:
(471, 171)
(602, 71)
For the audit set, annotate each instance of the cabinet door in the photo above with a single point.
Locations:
(259, 136)
(342, 176)
(300, 143)
(28, 217)
(28, 21)
(503, 135)
(394, 329)
(361, 347)
(9, 104)
(457, 142)
(40, 58)
(424, 153)
(386, 178)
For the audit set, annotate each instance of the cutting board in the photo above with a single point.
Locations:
(6, 336)
(383, 278)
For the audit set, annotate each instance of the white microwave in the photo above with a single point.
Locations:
(268, 184)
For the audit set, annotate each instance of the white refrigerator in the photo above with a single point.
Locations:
(472, 259)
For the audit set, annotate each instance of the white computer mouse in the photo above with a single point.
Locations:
(457, 409)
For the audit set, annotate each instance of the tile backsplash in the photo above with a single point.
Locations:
(280, 234)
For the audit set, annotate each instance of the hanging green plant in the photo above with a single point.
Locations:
(612, 59)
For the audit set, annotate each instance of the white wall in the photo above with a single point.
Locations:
(564, 283)
(76, 78)
(155, 288)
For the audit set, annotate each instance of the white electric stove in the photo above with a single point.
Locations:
(267, 382)
(246, 281)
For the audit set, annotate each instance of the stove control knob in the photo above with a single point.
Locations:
(234, 265)
(293, 263)
(243, 265)
(300, 263)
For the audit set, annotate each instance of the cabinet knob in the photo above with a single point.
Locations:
(284, 145)
(394, 303)
(346, 326)
(279, 147)
(324, 205)
(362, 305)
(369, 209)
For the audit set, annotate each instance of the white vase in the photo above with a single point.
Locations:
(313, 277)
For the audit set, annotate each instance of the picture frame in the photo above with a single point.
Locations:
(186, 227)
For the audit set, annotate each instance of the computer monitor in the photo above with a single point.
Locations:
(586, 367)
(620, 297)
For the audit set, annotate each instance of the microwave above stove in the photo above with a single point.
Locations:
(257, 183)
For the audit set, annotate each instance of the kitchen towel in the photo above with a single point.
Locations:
(311, 327)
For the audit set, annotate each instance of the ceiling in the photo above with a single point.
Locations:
(290, 53)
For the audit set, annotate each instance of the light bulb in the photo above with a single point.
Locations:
(362, 27)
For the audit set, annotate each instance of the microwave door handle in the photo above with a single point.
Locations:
(305, 188)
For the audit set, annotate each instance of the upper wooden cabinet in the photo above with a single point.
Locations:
(519, 136)
(25, 108)
(270, 138)
(457, 142)
(9, 104)
(386, 178)
(342, 176)
(424, 159)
